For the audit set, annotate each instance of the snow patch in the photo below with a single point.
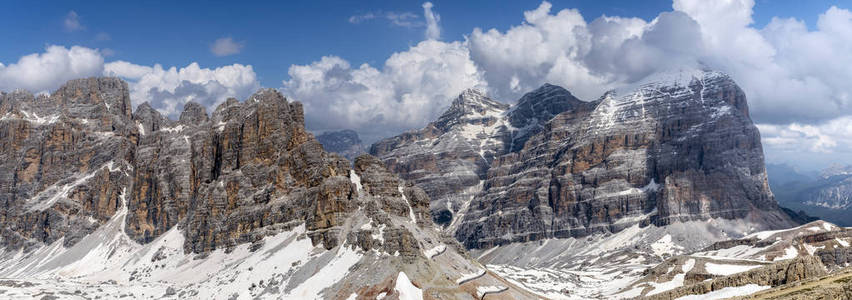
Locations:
(481, 291)
(789, 253)
(676, 282)
(728, 292)
(471, 276)
(725, 270)
(406, 289)
(688, 265)
(665, 246)
(175, 129)
(354, 178)
(410, 209)
(435, 251)
(141, 128)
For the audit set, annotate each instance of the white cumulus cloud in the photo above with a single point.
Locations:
(407, 92)
(44, 72)
(167, 90)
(433, 29)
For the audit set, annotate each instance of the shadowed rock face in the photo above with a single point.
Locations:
(672, 150)
(344, 142)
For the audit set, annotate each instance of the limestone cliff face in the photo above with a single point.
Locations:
(65, 160)
(677, 148)
(450, 158)
(70, 160)
(244, 201)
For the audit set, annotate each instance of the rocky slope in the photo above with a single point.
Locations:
(676, 148)
(99, 201)
(344, 142)
(697, 258)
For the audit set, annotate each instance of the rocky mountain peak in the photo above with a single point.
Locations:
(657, 153)
(193, 114)
(148, 119)
(537, 107)
(253, 196)
(111, 94)
(472, 105)
(542, 104)
(476, 100)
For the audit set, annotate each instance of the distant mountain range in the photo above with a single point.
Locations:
(826, 194)
(344, 142)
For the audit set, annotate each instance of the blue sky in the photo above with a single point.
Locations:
(373, 67)
(277, 34)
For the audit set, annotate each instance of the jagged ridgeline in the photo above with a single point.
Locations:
(243, 202)
(676, 148)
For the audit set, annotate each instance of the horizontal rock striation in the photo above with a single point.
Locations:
(678, 147)
(450, 157)
(777, 274)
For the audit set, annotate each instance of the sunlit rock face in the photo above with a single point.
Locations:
(240, 203)
(65, 160)
(677, 147)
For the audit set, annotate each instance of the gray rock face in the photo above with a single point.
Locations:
(344, 142)
(786, 272)
(535, 108)
(449, 158)
(674, 149)
(208, 194)
(72, 159)
(65, 160)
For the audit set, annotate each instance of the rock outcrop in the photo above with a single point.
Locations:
(679, 147)
(787, 272)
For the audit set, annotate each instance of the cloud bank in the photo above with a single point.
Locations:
(411, 88)
(167, 89)
(796, 77)
(792, 75)
(44, 72)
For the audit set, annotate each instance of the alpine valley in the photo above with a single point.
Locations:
(657, 190)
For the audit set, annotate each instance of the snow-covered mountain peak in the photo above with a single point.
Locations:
(472, 106)
(475, 101)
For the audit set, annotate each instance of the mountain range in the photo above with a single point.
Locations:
(656, 190)
(826, 194)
